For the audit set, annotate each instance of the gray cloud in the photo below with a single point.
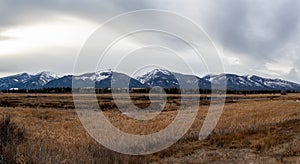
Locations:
(256, 28)
(17, 11)
(59, 61)
(254, 33)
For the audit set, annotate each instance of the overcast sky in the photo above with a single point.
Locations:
(252, 36)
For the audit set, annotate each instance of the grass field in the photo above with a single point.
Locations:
(253, 128)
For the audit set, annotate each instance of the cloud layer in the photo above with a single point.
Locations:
(253, 36)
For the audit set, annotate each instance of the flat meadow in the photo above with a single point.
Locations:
(45, 128)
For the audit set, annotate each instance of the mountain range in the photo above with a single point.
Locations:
(157, 77)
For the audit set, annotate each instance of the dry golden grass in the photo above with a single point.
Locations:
(263, 130)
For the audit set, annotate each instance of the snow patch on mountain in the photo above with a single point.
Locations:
(156, 73)
(97, 76)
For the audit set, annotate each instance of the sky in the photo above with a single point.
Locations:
(252, 36)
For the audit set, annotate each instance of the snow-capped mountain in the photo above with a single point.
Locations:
(39, 80)
(251, 82)
(159, 77)
(27, 81)
(100, 79)
(14, 81)
(63, 82)
(166, 79)
(156, 77)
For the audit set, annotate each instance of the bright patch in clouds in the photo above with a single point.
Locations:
(66, 32)
(279, 68)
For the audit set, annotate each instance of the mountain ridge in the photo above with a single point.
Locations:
(156, 77)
